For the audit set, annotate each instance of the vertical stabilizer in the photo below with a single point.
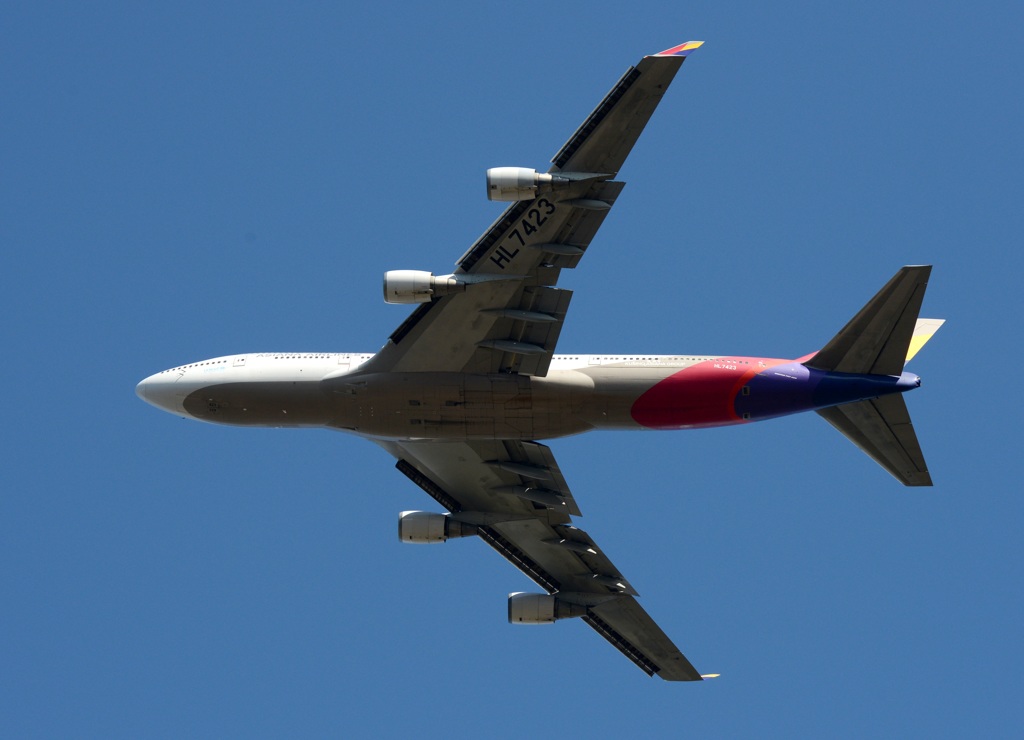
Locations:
(876, 341)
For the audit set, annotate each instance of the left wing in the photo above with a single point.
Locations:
(506, 314)
(515, 496)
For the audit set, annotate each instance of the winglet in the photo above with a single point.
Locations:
(706, 676)
(680, 51)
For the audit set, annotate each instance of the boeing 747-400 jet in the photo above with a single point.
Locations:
(466, 386)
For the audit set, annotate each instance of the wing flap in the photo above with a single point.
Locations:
(483, 473)
(541, 456)
(524, 337)
(582, 228)
(516, 239)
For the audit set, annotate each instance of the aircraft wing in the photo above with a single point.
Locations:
(510, 315)
(516, 497)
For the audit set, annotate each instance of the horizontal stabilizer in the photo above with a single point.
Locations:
(881, 427)
(877, 340)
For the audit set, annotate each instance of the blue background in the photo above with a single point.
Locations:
(188, 180)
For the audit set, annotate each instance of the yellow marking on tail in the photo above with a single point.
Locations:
(923, 331)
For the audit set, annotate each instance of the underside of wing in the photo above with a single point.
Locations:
(605, 139)
(499, 311)
(514, 497)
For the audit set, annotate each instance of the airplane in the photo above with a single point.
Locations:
(465, 389)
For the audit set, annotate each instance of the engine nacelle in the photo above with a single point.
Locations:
(516, 183)
(524, 608)
(417, 286)
(426, 528)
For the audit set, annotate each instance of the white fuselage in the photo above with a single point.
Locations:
(578, 393)
(310, 389)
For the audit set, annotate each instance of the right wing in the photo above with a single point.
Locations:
(510, 315)
(518, 500)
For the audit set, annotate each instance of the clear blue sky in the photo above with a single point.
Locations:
(196, 179)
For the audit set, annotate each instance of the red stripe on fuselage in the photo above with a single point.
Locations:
(702, 395)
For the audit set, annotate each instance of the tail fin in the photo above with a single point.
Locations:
(877, 339)
(880, 340)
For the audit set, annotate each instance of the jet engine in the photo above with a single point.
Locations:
(524, 608)
(417, 286)
(426, 528)
(520, 183)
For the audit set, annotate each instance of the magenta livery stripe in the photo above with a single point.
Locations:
(702, 395)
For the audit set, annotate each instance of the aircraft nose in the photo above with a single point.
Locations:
(159, 390)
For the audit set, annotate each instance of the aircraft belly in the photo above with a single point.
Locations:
(450, 406)
(497, 406)
(466, 406)
(260, 403)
